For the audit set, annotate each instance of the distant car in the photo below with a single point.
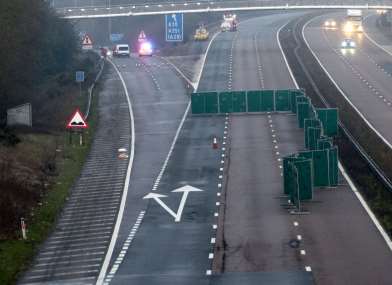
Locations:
(146, 49)
(106, 52)
(121, 50)
(330, 24)
(348, 44)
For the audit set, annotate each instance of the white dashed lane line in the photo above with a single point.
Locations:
(259, 66)
(357, 73)
(124, 248)
(218, 202)
(275, 145)
(230, 68)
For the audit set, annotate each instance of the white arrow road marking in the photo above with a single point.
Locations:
(185, 190)
(157, 198)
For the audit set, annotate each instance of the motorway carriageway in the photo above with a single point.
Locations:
(364, 77)
(235, 231)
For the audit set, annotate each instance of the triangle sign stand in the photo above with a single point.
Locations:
(77, 121)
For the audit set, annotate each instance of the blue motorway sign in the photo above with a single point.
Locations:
(116, 37)
(79, 76)
(174, 24)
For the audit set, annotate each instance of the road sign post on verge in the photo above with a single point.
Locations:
(79, 78)
(77, 124)
(23, 227)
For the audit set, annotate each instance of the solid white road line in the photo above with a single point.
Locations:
(341, 168)
(113, 240)
(340, 90)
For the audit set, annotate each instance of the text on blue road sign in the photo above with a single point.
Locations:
(174, 24)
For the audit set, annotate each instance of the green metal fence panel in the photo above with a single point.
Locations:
(302, 99)
(329, 118)
(312, 112)
(292, 176)
(333, 166)
(320, 168)
(254, 101)
(239, 101)
(302, 113)
(211, 101)
(282, 100)
(314, 135)
(293, 99)
(287, 174)
(267, 101)
(305, 185)
(307, 124)
(324, 143)
(225, 102)
(198, 104)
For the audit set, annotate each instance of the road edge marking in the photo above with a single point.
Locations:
(340, 90)
(113, 241)
(204, 60)
(341, 168)
(109, 253)
(284, 55)
(196, 86)
(372, 40)
(178, 71)
(366, 207)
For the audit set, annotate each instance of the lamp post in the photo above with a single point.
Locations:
(110, 21)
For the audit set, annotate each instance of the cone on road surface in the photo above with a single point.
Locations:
(215, 143)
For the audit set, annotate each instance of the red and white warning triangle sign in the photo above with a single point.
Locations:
(87, 40)
(142, 36)
(77, 121)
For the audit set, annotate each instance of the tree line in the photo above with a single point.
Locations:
(36, 47)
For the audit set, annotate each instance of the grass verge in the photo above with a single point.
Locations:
(16, 255)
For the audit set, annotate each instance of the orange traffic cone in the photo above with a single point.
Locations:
(215, 143)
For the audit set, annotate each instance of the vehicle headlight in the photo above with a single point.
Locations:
(344, 44)
(352, 44)
(326, 23)
(348, 27)
(333, 23)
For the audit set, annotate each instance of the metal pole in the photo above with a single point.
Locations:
(23, 227)
(110, 21)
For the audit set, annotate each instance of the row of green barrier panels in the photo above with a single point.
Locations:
(318, 165)
(326, 119)
(253, 101)
(258, 101)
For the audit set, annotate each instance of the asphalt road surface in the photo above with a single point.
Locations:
(165, 252)
(365, 77)
(230, 227)
(74, 252)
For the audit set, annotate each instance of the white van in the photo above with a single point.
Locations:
(121, 50)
